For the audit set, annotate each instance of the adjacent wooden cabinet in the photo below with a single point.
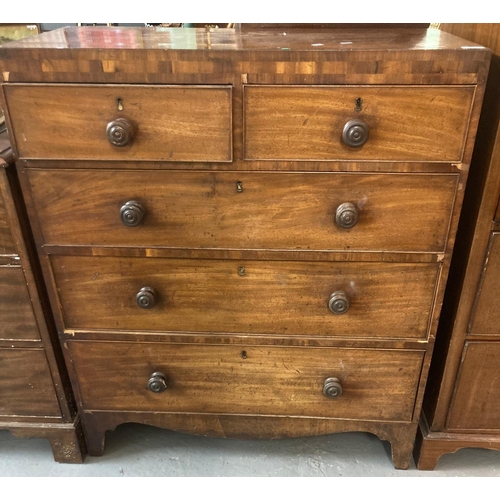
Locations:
(35, 394)
(462, 404)
(246, 233)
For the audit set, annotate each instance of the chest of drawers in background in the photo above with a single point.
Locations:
(35, 392)
(245, 234)
(461, 407)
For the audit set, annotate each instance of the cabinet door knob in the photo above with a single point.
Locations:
(146, 298)
(157, 382)
(332, 387)
(355, 133)
(132, 213)
(346, 216)
(338, 302)
(120, 132)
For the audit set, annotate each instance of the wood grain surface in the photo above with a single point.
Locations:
(485, 319)
(291, 298)
(377, 384)
(7, 245)
(180, 123)
(397, 212)
(26, 387)
(405, 123)
(476, 402)
(17, 319)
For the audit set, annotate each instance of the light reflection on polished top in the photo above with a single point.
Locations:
(234, 39)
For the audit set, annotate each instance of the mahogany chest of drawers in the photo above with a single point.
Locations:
(461, 407)
(245, 234)
(35, 393)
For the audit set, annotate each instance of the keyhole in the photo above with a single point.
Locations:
(359, 104)
(241, 271)
(119, 104)
(239, 187)
(244, 354)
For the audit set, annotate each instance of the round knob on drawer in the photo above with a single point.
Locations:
(157, 382)
(332, 387)
(338, 303)
(132, 213)
(355, 133)
(346, 216)
(146, 298)
(120, 132)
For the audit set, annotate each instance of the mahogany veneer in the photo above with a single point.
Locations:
(35, 393)
(461, 407)
(264, 255)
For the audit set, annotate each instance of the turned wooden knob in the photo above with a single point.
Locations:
(120, 132)
(355, 133)
(332, 387)
(346, 216)
(157, 382)
(132, 213)
(146, 298)
(338, 302)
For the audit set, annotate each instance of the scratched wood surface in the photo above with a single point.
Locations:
(377, 384)
(417, 56)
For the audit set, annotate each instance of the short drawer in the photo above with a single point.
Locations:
(382, 300)
(26, 387)
(412, 123)
(373, 384)
(289, 211)
(17, 319)
(122, 122)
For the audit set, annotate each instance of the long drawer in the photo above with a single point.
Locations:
(382, 300)
(26, 387)
(413, 123)
(309, 211)
(369, 384)
(122, 122)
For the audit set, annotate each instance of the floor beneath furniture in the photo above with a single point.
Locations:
(139, 450)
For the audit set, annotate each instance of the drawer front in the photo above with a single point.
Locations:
(486, 311)
(395, 212)
(17, 319)
(7, 245)
(26, 387)
(476, 403)
(183, 123)
(380, 300)
(376, 384)
(403, 123)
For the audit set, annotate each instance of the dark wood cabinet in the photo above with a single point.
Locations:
(35, 393)
(461, 408)
(246, 234)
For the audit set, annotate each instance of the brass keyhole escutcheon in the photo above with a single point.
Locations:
(119, 104)
(244, 354)
(241, 271)
(239, 187)
(359, 104)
